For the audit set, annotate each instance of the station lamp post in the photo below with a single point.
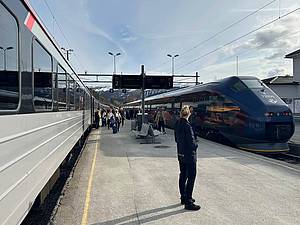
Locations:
(173, 57)
(68, 51)
(4, 55)
(114, 55)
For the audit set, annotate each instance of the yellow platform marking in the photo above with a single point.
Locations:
(84, 219)
(263, 150)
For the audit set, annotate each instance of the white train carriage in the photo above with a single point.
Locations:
(44, 109)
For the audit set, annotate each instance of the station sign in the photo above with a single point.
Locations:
(136, 82)
(127, 82)
(158, 82)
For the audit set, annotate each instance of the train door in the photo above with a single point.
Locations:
(92, 109)
(83, 103)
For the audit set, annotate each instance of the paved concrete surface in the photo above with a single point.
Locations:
(137, 183)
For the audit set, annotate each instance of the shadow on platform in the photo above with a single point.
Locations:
(127, 220)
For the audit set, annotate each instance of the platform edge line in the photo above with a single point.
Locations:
(89, 189)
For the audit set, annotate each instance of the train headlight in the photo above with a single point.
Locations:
(286, 113)
(269, 114)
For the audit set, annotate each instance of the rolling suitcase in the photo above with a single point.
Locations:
(114, 128)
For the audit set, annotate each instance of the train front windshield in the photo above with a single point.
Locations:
(253, 83)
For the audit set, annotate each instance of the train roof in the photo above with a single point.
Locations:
(179, 92)
(190, 90)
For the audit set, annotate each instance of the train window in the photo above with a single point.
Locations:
(253, 83)
(61, 88)
(82, 99)
(71, 93)
(194, 104)
(77, 96)
(86, 101)
(239, 86)
(9, 76)
(177, 105)
(168, 106)
(42, 70)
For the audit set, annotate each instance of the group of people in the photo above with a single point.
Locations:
(185, 138)
(160, 120)
(112, 118)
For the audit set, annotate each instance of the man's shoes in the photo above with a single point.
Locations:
(192, 207)
(183, 201)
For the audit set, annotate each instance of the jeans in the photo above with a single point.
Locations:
(187, 178)
(161, 124)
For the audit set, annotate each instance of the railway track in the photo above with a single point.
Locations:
(286, 157)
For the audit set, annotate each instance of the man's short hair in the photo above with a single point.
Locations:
(185, 111)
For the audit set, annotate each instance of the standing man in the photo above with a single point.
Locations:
(187, 157)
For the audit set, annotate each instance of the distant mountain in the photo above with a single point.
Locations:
(119, 97)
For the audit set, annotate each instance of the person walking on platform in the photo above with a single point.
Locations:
(109, 116)
(160, 120)
(97, 119)
(103, 118)
(123, 116)
(113, 122)
(118, 119)
(187, 157)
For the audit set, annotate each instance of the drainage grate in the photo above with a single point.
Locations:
(161, 146)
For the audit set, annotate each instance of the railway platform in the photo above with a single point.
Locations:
(120, 181)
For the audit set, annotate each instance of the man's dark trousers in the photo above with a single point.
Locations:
(187, 179)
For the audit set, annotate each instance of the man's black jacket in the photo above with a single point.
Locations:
(186, 143)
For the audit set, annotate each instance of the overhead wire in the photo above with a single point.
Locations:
(63, 34)
(223, 30)
(228, 27)
(212, 64)
(236, 39)
(239, 54)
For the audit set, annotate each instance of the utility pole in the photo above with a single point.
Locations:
(68, 52)
(237, 65)
(143, 92)
(4, 55)
(114, 60)
(173, 57)
(197, 77)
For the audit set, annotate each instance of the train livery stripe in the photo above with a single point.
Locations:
(263, 150)
(29, 21)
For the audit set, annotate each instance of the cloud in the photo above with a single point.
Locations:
(280, 71)
(269, 38)
(127, 35)
(272, 42)
(275, 55)
(88, 26)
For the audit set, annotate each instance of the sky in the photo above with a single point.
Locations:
(203, 33)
